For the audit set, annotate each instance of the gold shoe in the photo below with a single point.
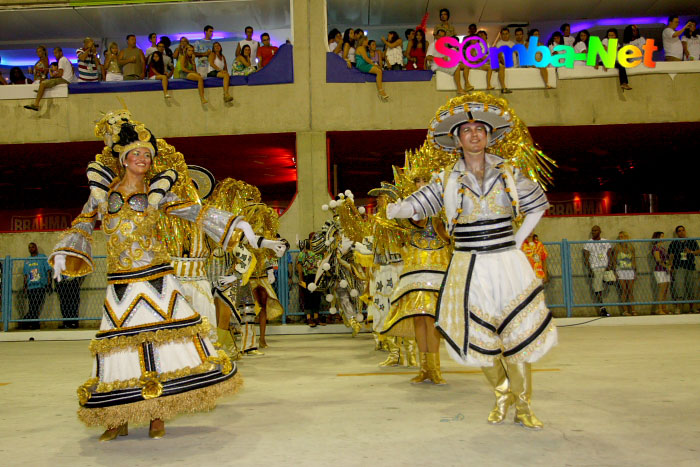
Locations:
(394, 350)
(409, 357)
(248, 353)
(423, 374)
(112, 433)
(433, 360)
(262, 345)
(497, 377)
(520, 376)
(355, 327)
(156, 433)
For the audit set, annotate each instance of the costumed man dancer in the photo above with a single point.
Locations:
(152, 358)
(425, 254)
(491, 309)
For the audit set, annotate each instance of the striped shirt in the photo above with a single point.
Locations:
(87, 69)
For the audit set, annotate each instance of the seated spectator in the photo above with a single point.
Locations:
(2, 79)
(181, 48)
(691, 42)
(349, 47)
(40, 70)
(538, 56)
(167, 60)
(612, 34)
(365, 65)
(202, 50)
(166, 42)
(153, 39)
(624, 263)
(375, 55)
(218, 68)
(503, 41)
(662, 272)
(156, 70)
(60, 72)
(133, 60)
(567, 38)
(487, 65)
(519, 40)
(335, 42)
(631, 36)
(410, 35)
(112, 66)
(581, 44)
(454, 71)
(188, 70)
(471, 31)
(243, 65)
(253, 44)
(554, 40)
(416, 51)
(393, 51)
(265, 51)
(89, 66)
(17, 77)
(445, 23)
(673, 46)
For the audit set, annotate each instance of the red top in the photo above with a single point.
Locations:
(419, 55)
(265, 54)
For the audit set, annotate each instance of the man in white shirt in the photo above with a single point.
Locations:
(673, 47)
(596, 258)
(153, 39)
(250, 42)
(454, 71)
(566, 32)
(504, 41)
(62, 74)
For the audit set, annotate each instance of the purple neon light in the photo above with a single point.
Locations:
(578, 26)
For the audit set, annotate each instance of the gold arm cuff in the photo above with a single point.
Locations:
(235, 239)
(77, 263)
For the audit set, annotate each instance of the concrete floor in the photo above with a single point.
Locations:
(608, 395)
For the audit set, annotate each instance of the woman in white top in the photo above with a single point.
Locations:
(612, 34)
(393, 51)
(692, 41)
(581, 45)
(631, 36)
(218, 69)
(112, 67)
(349, 47)
(335, 42)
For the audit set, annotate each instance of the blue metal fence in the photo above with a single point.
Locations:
(569, 291)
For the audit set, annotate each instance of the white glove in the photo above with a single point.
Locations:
(527, 227)
(226, 280)
(59, 265)
(248, 232)
(271, 276)
(400, 210)
(275, 245)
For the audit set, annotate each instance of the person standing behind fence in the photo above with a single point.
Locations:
(537, 256)
(68, 290)
(37, 281)
(682, 253)
(661, 272)
(625, 264)
(596, 258)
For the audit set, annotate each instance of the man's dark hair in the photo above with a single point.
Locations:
(505, 28)
(55, 63)
(334, 32)
(208, 27)
(129, 35)
(519, 29)
(408, 31)
(151, 35)
(248, 27)
(58, 48)
(267, 35)
(445, 10)
(678, 226)
(671, 18)
(472, 25)
(165, 40)
(563, 26)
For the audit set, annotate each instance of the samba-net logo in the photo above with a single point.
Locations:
(475, 53)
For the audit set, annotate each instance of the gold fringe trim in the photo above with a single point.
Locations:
(162, 336)
(165, 408)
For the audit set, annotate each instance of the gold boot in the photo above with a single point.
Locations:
(497, 377)
(378, 341)
(424, 373)
(121, 430)
(411, 347)
(355, 327)
(228, 344)
(520, 375)
(433, 360)
(394, 350)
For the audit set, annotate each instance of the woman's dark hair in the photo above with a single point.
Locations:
(159, 65)
(243, 50)
(346, 37)
(128, 135)
(556, 34)
(221, 49)
(656, 234)
(370, 42)
(151, 35)
(334, 32)
(689, 34)
(578, 37)
(423, 42)
(166, 41)
(16, 76)
(393, 36)
(628, 34)
(408, 32)
(531, 32)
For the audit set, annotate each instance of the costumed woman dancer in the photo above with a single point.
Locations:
(152, 356)
(491, 309)
(426, 254)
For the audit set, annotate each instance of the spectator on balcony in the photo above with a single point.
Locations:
(243, 65)
(156, 70)
(335, 42)
(133, 59)
(662, 274)
(112, 67)
(349, 47)
(538, 56)
(445, 23)
(202, 50)
(581, 44)
(188, 70)
(89, 66)
(37, 282)
(691, 42)
(375, 55)
(567, 38)
(61, 72)
(632, 36)
(673, 46)
(487, 65)
(40, 70)
(622, 71)
(365, 65)
(359, 34)
(554, 40)
(471, 31)
(266, 51)
(218, 68)
(17, 77)
(393, 51)
(180, 51)
(167, 60)
(168, 51)
(410, 35)
(682, 253)
(596, 259)
(253, 44)
(3, 82)
(453, 71)
(519, 40)
(503, 40)
(624, 262)
(417, 50)
(153, 39)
